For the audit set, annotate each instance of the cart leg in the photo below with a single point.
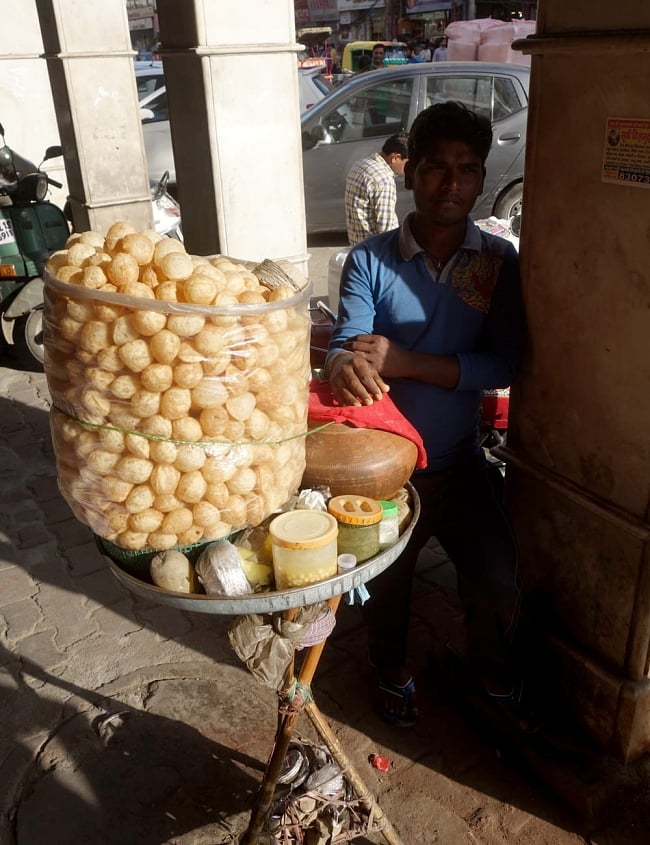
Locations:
(286, 723)
(264, 797)
(365, 797)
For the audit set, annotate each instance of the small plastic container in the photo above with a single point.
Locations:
(346, 562)
(358, 518)
(303, 543)
(389, 525)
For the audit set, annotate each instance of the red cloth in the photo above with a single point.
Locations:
(382, 415)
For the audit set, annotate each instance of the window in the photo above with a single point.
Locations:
(149, 83)
(378, 110)
(493, 97)
(475, 92)
(158, 105)
(507, 101)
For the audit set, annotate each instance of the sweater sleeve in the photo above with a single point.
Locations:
(356, 303)
(497, 360)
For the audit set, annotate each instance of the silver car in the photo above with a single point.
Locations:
(313, 86)
(354, 121)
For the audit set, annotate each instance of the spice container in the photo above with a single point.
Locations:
(389, 525)
(303, 544)
(358, 518)
(346, 563)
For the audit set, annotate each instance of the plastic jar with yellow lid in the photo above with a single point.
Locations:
(358, 518)
(304, 548)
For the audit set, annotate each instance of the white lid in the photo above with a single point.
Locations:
(346, 561)
(303, 529)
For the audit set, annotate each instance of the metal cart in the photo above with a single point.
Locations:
(286, 603)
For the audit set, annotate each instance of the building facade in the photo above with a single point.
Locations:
(363, 20)
(143, 26)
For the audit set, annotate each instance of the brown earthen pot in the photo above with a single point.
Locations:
(363, 461)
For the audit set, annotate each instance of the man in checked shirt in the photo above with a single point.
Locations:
(370, 191)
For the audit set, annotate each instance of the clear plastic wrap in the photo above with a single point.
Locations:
(173, 422)
(219, 569)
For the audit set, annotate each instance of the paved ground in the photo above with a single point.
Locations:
(128, 722)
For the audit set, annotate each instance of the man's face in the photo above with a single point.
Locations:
(397, 164)
(378, 56)
(445, 182)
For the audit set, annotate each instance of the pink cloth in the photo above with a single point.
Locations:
(382, 415)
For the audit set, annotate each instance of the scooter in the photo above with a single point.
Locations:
(31, 229)
(165, 209)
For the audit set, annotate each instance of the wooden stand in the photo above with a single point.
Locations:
(287, 603)
(288, 713)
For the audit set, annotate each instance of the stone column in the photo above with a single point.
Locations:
(90, 63)
(26, 108)
(232, 86)
(579, 436)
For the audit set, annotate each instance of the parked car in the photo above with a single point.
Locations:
(354, 121)
(149, 76)
(313, 86)
(154, 113)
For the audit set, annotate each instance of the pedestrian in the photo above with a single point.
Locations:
(440, 53)
(432, 311)
(327, 56)
(332, 59)
(371, 193)
(378, 53)
(413, 53)
(364, 64)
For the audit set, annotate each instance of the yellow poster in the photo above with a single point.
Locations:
(626, 152)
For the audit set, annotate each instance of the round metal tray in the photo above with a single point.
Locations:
(277, 600)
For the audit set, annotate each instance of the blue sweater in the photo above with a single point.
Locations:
(472, 309)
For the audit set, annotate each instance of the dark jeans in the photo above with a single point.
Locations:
(462, 507)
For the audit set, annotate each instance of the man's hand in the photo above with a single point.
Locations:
(357, 375)
(386, 357)
(354, 377)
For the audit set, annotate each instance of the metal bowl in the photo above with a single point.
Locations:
(278, 600)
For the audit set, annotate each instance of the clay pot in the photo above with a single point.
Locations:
(363, 461)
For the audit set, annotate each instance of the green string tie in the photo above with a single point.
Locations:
(299, 689)
(205, 444)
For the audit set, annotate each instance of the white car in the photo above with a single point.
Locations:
(313, 86)
(154, 113)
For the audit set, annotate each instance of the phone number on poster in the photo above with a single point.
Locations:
(631, 176)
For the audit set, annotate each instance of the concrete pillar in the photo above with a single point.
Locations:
(90, 64)
(579, 436)
(233, 98)
(26, 108)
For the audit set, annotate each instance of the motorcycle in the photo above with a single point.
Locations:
(31, 229)
(165, 209)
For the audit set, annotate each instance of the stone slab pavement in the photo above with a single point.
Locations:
(123, 721)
